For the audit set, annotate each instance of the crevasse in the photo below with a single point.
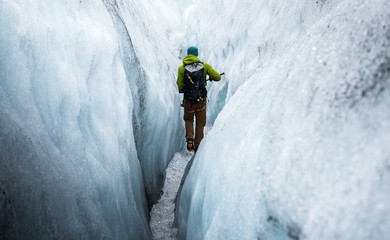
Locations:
(90, 118)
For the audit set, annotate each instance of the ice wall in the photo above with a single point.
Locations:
(300, 150)
(240, 38)
(87, 100)
(157, 124)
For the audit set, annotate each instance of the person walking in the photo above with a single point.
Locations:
(191, 81)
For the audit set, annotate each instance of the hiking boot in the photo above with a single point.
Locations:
(196, 147)
(190, 144)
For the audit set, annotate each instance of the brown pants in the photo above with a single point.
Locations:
(199, 110)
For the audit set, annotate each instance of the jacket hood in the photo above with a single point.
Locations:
(190, 59)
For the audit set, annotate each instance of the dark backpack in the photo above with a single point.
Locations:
(194, 83)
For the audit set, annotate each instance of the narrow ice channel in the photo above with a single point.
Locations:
(162, 214)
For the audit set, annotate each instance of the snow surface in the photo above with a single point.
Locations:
(162, 214)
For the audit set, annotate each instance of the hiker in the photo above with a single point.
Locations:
(191, 81)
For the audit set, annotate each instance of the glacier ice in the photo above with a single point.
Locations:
(90, 118)
(83, 116)
(300, 148)
(151, 65)
(162, 214)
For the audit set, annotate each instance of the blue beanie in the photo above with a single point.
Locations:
(192, 50)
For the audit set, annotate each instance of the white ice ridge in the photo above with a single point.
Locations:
(162, 214)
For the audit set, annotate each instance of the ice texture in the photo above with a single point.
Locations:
(162, 214)
(300, 149)
(152, 66)
(89, 118)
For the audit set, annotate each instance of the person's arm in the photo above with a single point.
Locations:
(180, 81)
(214, 75)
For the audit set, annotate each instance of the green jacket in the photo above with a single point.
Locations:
(208, 70)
